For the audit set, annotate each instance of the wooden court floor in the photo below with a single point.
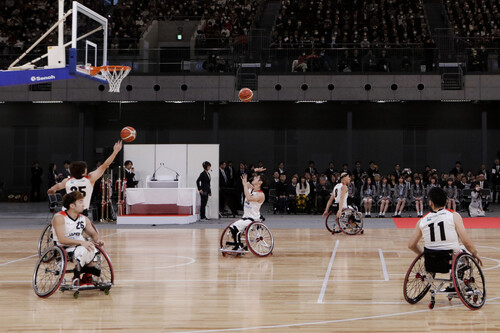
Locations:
(174, 280)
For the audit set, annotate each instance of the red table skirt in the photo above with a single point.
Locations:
(167, 209)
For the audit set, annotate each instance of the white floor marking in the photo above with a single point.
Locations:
(327, 321)
(17, 260)
(191, 261)
(327, 274)
(36, 255)
(384, 267)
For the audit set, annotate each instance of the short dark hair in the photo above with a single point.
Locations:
(438, 197)
(127, 162)
(71, 198)
(66, 162)
(263, 179)
(205, 165)
(77, 169)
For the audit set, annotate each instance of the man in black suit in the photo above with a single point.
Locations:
(230, 173)
(495, 179)
(397, 171)
(281, 168)
(357, 175)
(225, 191)
(203, 185)
(485, 172)
(311, 169)
(130, 175)
(457, 169)
(330, 171)
(65, 172)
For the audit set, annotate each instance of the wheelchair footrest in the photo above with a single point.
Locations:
(233, 251)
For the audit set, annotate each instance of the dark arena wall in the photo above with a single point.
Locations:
(412, 134)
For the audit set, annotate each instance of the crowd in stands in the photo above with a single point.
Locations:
(399, 190)
(365, 31)
(475, 18)
(365, 24)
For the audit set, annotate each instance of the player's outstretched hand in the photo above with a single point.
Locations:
(260, 169)
(325, 213)
(100, 242)
(244, 177)
(118, 146)
(479, 261)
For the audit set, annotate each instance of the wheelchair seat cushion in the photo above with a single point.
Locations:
(438, 261)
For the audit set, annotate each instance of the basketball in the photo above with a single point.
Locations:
(128, 134)
(245, 95)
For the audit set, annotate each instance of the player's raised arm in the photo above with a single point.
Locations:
(97, 173)
(57, 187)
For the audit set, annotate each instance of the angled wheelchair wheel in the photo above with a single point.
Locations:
(49, 271)
(46, 241)
(415, 285)
(469, 281)
(331, 221)
(102, 262)
(259, 239)
(351, 222)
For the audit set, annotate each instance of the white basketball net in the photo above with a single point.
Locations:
(115, 75)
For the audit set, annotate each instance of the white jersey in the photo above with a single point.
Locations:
(83, 185)
(251, 209)
(73, 228)
(438, 230)
(337, 193)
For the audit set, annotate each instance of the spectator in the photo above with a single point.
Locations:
(476, 205)
(451, 194)
(417, 196)
(323, 190)
(300, 65)
(292, 196)
(330, 171)
(400, 195)
(302, 191)
(384, 197)
(312, 169)
(36, 181)
(281, 195)
(368, 193)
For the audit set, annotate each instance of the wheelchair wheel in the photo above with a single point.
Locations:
(102, 262)
(469, 281)
(331, 221)
(259, 239)
(46, 241)
(49, 271)
(415, 286)
(351, 222)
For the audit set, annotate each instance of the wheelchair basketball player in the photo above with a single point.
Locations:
(339, 195)
(254, 198)
(68, 227)
(80, 181)
(441, 229)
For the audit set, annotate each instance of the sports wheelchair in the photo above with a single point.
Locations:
(350, 221)
(465, 278)
(51, 267)
(257, 238)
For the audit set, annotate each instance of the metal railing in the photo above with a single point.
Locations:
(269, 60)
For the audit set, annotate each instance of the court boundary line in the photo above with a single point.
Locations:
(327, 274)
(384, 267)
(36, 254)
(326, 321)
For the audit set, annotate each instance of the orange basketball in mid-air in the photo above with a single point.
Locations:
(245, 95)
(128, 134)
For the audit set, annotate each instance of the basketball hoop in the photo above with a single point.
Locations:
(113, 74)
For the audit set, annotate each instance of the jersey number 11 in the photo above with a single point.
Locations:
(441, 229)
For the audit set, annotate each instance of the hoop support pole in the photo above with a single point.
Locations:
(68, 13)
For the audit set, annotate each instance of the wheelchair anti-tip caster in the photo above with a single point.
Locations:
(75, 295)
(431, 305)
